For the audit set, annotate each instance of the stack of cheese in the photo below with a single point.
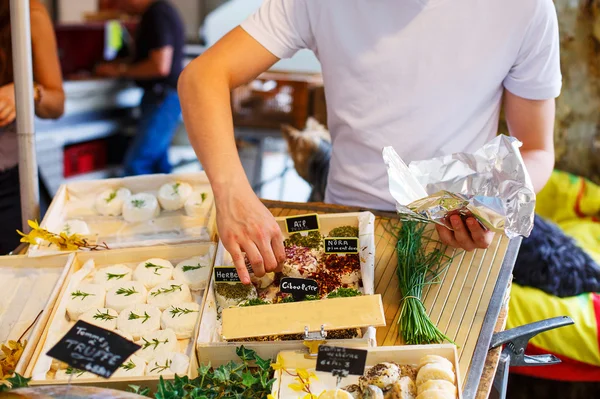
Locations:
(151, 303)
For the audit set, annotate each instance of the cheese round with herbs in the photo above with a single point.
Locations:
(198, 204)
(181, 318)
(110, 202)
(75, 226)
(169, 364)
(195, 272)
(135, 366)
(125, 335)
(113, 275)
(126, 294)
(138, 320)
(85, 297)
(157, 343)
(101, 317)
(153, 272)
(168, 293)
(230, 295)
(140, 208)
(382, 375)
(172, 196)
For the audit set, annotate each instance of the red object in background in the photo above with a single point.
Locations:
(85, 157)
(107, 5)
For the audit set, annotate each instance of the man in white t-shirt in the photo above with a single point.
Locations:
(427, 77)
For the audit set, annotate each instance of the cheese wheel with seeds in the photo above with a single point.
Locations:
(404, 388)
(435, 359)
(440, 385)
(436, 394)
(434, 371)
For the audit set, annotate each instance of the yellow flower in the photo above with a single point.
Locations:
(278, 365)
(298, 387)
(310, 396)
(269, 396)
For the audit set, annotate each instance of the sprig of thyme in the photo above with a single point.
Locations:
(126, 291)
(82, 295)
(103, 316)
(178, 312)
(133, 316)
(155, 342)
(160, 291)
(160, 368)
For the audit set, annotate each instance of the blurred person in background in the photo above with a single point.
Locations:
(156, 66)
(49, 100)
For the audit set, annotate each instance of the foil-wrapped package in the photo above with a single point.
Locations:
(491, 184)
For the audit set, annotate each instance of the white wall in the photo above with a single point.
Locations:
(71, 11)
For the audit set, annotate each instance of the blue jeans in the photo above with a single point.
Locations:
(148, 153)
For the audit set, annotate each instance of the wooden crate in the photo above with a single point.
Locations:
(409, 355)
(30, 288)
(76, 201)
(55, 327)
(211, 347)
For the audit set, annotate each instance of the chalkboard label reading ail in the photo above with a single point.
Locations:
(341, 362)
(93, 349)
(298, 224)
(341, 245)
(299, 287)
(226, 274)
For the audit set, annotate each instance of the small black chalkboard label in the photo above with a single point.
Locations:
(299, 287)
(226, 274)
(298, 224)
(93, 349)
(341, 361)
(342, 245)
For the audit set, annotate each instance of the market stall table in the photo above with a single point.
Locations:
(468, 306)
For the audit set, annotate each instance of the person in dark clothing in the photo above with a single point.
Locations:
(156, 66)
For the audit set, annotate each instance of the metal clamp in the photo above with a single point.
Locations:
(513, 354)
(314, 339)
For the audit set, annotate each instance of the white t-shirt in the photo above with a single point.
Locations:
(424, 76)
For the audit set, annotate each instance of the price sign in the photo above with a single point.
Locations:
(299, 287)
(226, 274)
(93, 349)
(298, 224)
(341, 362)
(342, 245)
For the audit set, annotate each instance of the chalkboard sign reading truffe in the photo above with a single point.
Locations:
(342, 245)
(226, 274)
(341, 361)
(299, 287)
(93, 349)
(299, 224)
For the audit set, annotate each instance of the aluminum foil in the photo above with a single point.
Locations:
(490, 184)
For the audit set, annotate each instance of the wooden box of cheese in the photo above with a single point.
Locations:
(220, 334)
(409, 355)
(30, 288)
(89, 269)
(75, 209)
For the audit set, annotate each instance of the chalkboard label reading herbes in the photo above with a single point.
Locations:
(90, 348)
(304, 223)
(299, 287)
(341, 245)
(226, 274)
(341, 362)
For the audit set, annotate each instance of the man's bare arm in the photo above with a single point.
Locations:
(244, 224)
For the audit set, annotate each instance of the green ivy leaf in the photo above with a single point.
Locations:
(139, 390)
(18, 381)
(263, 364)
(245, 354)
(204, 369)
(248, 379)
(222, 374)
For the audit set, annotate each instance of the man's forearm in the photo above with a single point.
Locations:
(142, 70)
(539, 164)
(205, 99)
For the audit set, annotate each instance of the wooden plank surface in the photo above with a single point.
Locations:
(457, 305)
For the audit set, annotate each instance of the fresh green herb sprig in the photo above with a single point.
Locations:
(80, 294)
(133, 316)
(111, 197)
(138, 203)
(160, 291)
(154, 342)
(126, 291)
(176, 188)
(203, 197)
(112, 276)
(188, 268)
(178, 312)
(421, 261)
(103, 316)
(130, 365)
(75, 372)
(15, 382)
(156, 268)
(344, 293)
(161, 367)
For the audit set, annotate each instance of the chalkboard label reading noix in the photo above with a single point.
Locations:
(226, 274)
(299, 287)
(341, 362)
(90, 348)
(341, 245)
(299, 224)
